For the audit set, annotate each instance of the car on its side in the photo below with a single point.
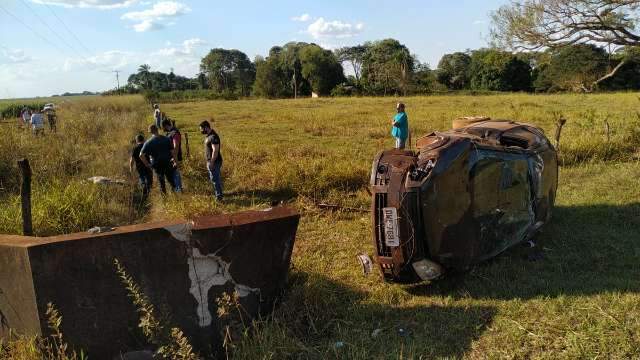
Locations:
(464, 196)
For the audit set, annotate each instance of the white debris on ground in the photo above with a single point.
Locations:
(103, 180)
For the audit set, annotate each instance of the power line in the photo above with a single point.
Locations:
(67, 28)
(50, 28)
(32, 30)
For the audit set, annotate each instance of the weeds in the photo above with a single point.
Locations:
(170, 342)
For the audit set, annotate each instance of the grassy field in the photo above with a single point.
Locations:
(582, 300)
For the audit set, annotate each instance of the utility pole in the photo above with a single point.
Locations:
(117, 79)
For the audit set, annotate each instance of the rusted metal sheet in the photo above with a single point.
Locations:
(466, 195)
(181, 266)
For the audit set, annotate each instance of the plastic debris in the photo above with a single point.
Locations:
(100, 229)
(367, 264)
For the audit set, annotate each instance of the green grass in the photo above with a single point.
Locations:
(582, 300)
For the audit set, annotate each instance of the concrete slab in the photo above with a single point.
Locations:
(181, 266)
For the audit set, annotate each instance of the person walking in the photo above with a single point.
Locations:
(25, 114)
(176, 140)
(157, 115)
(213, 157)
(37, 123)
(145, 175)
(158, 148)
(51, 117)
(400, 128)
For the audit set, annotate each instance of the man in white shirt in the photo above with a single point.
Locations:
(37, 122)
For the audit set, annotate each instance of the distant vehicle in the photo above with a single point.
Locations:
(464, 196)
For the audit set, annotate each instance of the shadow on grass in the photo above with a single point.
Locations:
(320, 313)
(261, 196)
(586, 250)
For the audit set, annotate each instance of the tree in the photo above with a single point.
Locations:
(320, 68)
(228, 70)
(144, 71)
(453, 70)
(271, 81)
(572, 68)
(496, 70)
(536, 24)
(354, 56)
(387, 67)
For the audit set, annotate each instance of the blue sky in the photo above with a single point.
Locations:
(53, 46)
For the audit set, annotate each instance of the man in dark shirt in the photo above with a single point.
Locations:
(176, 141)
(213, 157)
(144, 173)
(159, 149)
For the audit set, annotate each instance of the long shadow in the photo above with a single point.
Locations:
(585, 250)
(321, 313)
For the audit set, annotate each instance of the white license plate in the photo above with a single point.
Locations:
(390, 216)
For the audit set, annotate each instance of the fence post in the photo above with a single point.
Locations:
(559, 125)
(186, 142)
(25, 195)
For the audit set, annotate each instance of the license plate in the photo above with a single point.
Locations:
(390, 216)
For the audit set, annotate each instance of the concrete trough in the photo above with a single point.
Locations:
(181, 266)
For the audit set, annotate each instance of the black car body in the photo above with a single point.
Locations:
(464, 196)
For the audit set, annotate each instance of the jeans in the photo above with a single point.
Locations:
(146, 180)
(177, 179)
(216, 180)
(400, 143)
(165, 170)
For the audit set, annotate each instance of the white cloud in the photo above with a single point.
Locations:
(108, 60)
(333, 29)
(152, 19)
(188, 48)
(14, 56)
(97, 4)
(302, 18)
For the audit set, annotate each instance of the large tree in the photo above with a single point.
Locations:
(497, 70)
(538, 24)
(387, 67)
(354, 56)
(320, 68)
(228, 70)
(453, 70)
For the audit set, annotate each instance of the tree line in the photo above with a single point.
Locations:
(537, 46)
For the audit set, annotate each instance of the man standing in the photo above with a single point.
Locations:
(400, 128)
(51, 117)
(26, 116)
(144, 173)
(213, 157)
(159, 149)
(157, 115)
(176, 140)
(37, 123)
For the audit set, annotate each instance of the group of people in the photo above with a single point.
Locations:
(162, 154)
(35, 119)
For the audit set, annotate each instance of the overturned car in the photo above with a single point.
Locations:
(464, 196)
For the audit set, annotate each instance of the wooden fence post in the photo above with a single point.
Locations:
(25, 195)
(186, 142)
(559, 125)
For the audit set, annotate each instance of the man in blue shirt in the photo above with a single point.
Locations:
(160, 150)
(400, 128)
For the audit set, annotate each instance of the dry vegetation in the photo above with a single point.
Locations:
(580, 301)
